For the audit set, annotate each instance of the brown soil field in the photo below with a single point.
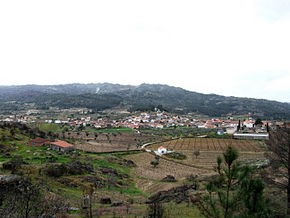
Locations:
(211, 148)
(152, 187)
(148, 179)
(109, 142)
(210, 144)
(208, 159)
(166, 167)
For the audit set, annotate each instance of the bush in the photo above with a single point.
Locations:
(55, 170)
(72, 168)
(14, 164)
(155, 210)
(176, 155)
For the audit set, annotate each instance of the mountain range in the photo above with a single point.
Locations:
(100, 96)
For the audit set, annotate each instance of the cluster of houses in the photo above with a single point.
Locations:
(160, 120)
(156, 120)
(57, 145)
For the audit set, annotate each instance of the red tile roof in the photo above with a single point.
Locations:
(38, 140)
(160, 147)
(60, 143)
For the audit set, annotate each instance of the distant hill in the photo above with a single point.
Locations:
(101, 96)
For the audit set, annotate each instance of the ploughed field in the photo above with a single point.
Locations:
(210, 149)
(109, 142)
(211, 144)
(149, 178)
(166, 167)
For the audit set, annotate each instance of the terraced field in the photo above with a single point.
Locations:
(211, 148)
(151, 187)
(109, 142)
(210, 144)
(166, 167)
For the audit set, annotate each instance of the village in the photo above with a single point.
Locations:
(156, 120)
(82, 120)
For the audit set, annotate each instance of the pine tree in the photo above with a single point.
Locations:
(239, 126)
(233, 193)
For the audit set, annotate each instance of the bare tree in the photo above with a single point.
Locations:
(196, 153)
(279, 156)
(22, 198)
(88, 199)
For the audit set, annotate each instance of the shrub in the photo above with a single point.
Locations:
(14, 164)
(154, 163)
(155, 210)
(176, 155)
(72, 168)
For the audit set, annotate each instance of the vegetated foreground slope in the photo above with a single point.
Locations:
(143, 97)
(67, 176)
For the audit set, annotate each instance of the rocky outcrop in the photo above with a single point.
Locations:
(177, 194)
(169, 178)
(120, 161)
(112, 172)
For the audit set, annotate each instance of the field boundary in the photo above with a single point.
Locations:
(112, 152)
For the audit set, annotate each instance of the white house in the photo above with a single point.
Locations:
(162, 150)
(248, 123)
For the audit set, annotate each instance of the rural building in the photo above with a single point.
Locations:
(162, 150)
(37, 142)
(61, 146)
(264, 136)
(248, 123)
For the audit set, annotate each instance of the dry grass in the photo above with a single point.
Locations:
(108, 142)
(144, 168)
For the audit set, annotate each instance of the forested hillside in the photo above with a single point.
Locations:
(142, 97)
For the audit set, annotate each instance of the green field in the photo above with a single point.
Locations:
(110, 130)
(49, 127)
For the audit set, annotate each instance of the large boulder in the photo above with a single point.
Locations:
(112, 172)
(177, 194)
(105, 201)
(120, 161)
(169, 178)
(96, 181)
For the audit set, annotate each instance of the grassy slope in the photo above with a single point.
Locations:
(37, 157)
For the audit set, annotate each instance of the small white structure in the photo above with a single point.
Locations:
(263, 136)
(162, 150)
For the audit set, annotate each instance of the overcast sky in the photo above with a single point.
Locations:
(228, 47)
